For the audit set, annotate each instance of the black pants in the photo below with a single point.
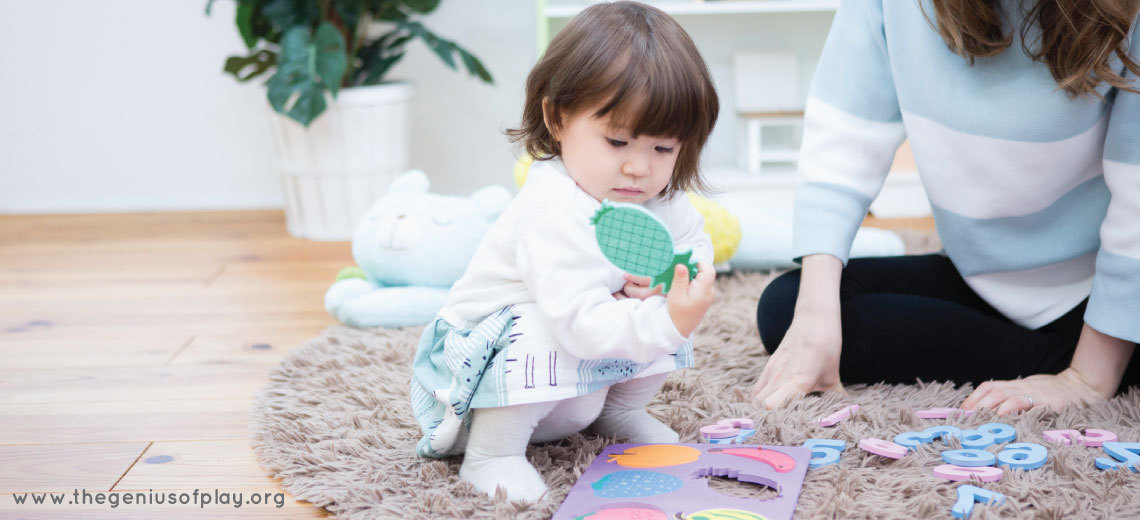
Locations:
(913, 317)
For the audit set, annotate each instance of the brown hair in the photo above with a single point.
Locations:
(1078, 37)
(643, 69)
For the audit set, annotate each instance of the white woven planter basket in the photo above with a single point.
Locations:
(333, 170)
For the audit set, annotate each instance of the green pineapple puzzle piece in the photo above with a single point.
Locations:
(638, 242)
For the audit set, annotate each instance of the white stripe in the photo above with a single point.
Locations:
(986, 177)
(1035, 297)
(840, 148)
(1120, 233)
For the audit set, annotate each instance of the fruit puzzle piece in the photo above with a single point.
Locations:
(639, 243)
(655, 456)
(609, 491)
(779, 461)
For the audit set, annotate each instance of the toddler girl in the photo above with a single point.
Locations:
(542, 336)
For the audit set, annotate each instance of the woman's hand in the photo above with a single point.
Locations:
(1020, 395)
(1094, 374)
(807, 361)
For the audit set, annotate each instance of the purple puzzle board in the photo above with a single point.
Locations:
(668, 481)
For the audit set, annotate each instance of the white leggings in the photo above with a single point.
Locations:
(506, 431)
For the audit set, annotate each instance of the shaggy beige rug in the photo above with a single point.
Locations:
(334, 424)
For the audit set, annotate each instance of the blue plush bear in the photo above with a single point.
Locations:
(411, 247)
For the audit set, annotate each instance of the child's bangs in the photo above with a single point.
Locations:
(649, 98)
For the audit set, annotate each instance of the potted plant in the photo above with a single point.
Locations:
(339, 128)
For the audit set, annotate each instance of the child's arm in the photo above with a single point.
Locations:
(568, 277)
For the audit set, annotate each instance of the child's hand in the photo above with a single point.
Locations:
(638, 287)
(689, 299)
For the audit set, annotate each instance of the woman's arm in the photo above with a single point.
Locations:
(852, 128)
(1094, 374)
(808, 358)
(1111, 329)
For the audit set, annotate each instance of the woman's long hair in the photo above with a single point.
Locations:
(1077, 37)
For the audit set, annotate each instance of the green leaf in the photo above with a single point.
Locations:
(331, 60)
(245, 23)
(474, 66)
(421, 6)
(295, 90)
(209, 5)
(310, 104)
(377, 72)
(261, 61)
(286, 14)
(390, 13)
(399, 43)
(442, 48)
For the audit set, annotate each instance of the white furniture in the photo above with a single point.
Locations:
(789, 126)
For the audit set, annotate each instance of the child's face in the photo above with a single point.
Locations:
(609, 163)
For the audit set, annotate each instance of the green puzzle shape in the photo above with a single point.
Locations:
(637, 242)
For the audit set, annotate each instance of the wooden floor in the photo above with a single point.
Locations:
(131, 346)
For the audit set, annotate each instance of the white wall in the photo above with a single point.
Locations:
(122, 105)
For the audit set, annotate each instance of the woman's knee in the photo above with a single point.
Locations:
(776, 308)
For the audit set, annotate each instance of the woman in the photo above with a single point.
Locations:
(1024, 118)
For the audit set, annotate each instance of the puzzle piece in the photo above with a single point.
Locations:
(839, 416)
(824, 452)
(1023, 455)
(1127, 455)
(958, 473)
(968, 495)
(883, 448)
(969, 458)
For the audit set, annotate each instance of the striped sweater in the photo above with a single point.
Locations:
(1036, 196)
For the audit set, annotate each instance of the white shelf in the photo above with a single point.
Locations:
(776, 177)
(716, 7)
(779, 156)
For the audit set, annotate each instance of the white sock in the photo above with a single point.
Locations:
(624, 413)
(496, 451)
(512, 473)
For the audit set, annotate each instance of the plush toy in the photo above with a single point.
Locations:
(410, 248)
(721, 225)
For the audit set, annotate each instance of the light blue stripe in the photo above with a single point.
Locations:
(826, 218)
(853, 74)
(1122, 144)
(1114, 306)
(1066, 229)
